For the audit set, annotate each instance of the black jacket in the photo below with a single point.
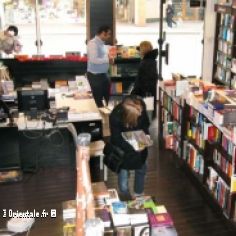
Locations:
(145, 84)
(133, 159)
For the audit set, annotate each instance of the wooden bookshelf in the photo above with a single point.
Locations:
(207, 150)
(225, 40)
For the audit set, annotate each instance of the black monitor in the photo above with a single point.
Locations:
(10, 153)
(32, 102)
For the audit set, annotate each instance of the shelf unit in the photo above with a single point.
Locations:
(225, 43)
(171, 122)
(123, 75)
(205, 151)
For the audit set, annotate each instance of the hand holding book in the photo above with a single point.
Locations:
(137, 139)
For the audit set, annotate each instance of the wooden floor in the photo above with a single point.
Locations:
(167, 182)
(170, 185)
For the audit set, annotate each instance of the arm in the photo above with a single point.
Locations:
(93, 54)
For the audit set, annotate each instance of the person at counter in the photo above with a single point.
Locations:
(9, 42)
(98, 65)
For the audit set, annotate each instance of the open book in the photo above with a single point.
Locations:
(138, 139)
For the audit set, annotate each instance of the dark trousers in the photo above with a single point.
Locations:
(100, 85)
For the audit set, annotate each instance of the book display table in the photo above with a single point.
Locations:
(141, 216)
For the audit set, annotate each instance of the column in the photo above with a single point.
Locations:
(140, 12)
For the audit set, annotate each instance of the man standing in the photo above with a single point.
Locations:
(98, 65)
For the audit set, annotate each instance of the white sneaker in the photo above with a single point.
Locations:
(136, 195)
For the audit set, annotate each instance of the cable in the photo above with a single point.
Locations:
(56, 130)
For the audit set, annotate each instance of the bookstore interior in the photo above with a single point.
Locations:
(52, 138)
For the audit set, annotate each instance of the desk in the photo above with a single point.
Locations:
(43, 145)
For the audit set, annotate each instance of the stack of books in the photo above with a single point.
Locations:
(122, 218)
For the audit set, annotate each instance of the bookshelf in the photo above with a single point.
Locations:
(123, 74)
(171, 121)
(204, 148)
(224, 70)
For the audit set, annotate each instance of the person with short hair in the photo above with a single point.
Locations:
(130, 115)
(9, 42)
(12, 30)
(98, 65)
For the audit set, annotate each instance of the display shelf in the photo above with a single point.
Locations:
(225, 40)
(211, 158)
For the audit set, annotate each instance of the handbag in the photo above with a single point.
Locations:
(113, 157)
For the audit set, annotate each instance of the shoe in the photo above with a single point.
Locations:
(125, 196)
(137, 195)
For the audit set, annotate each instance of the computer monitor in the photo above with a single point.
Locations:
(32, 102)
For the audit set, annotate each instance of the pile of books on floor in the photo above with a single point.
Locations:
(140, 216)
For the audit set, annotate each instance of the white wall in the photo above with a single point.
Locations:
(152, 9)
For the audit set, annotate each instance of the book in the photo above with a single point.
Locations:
(225, 116)
(104, 215)
(119, 207)
(157, 220)
(164, 231)
(138, 139)
(113, 197)
(141, 229)
(161, 209)
(69, 209)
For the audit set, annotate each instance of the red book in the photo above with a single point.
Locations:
(157, 220)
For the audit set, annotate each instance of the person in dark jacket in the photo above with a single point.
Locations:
(170, 14)
(145, 84)
(130, 115)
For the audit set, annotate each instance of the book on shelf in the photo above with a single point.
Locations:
(116, 88)
(169, 141)
(233, 184)
(225, 116)
(137, 139)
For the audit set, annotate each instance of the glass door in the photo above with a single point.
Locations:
(60, 24)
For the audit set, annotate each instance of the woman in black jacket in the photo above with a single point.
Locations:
(130, 115)
(145, 84)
